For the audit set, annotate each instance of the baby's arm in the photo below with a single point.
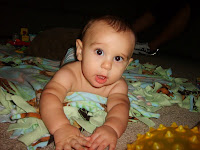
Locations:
(116, 121)
(51, 110)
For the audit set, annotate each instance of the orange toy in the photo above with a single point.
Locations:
(168, 138)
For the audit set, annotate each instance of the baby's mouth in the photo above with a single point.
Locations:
(101, 79)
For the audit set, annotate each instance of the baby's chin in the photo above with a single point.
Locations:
(98, 85)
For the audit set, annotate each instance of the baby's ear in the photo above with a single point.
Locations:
(130, 60)
(79, 49)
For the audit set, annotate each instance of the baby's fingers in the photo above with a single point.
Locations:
(105, 144)
(97, 141)
(84, 141)
(88, 138)
(112, 146)
(76, 145)
(59, 147)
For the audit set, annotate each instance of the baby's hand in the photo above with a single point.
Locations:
(68, 137)
(103, 137)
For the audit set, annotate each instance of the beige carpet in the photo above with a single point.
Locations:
(181, 67)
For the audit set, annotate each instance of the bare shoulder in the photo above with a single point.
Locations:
(120, 87)
(69, 69)
(67, 74)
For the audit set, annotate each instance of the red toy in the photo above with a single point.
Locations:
(19, 43)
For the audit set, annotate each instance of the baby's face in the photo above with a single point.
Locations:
(105, 54)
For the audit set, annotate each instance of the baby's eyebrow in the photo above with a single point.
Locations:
(124, 56)
(95, 43)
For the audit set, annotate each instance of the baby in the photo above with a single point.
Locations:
(103, 54)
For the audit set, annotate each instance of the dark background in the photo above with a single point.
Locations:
(39, 15)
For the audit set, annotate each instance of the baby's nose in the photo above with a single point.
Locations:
(107, 65)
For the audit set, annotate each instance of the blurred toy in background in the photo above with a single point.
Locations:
(24, 34)
(21, 41)
(168, 138)
(19, 45)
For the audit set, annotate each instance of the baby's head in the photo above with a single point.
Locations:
(105, 49)
(118, 24)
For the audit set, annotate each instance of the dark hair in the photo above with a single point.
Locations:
(117, 23)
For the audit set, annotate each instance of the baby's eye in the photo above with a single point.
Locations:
(119, 58)
(99, 52)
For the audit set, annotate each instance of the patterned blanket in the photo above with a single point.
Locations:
(22, 79)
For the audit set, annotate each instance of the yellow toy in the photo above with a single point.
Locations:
(168, 138)
(24, 34)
